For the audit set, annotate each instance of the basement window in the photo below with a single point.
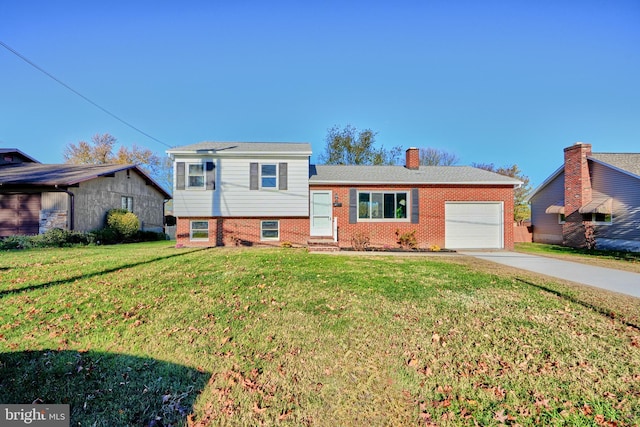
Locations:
(269, 230)
(199, 230)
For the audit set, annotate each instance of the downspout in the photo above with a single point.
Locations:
(72, 206)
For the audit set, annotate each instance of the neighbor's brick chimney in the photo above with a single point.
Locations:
(577, 192)
(413, 158)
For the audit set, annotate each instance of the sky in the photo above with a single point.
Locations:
(502, 82)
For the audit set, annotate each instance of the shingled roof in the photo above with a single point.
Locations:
(627, 162)
(240, 148)
(63, 175)
(341, 174)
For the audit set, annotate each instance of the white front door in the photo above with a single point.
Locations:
(321, 214)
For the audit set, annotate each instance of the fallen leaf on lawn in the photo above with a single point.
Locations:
(257, 409)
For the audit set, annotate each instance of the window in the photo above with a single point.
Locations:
(199, 230)
(196, 175)
(382, 206)
(269, 230)
(268, 176)
(561, 219)
(597, 218)
(127, 203)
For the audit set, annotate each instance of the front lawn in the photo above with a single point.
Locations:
(147, 334)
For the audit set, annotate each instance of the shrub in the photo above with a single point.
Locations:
(360, 241)
(123, 222)
(15, 242)
(149, 236)
(407, 240)
(57, 237)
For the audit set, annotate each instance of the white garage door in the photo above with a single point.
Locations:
(473, 225)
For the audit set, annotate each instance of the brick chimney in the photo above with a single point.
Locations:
(412, 158)
(577, 192)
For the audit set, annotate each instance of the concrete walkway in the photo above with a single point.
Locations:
(624, 282)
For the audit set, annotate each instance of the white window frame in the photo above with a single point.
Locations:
(274, 176)
(277, 230)
(593, 219)
(126, 203)
(191, 231)
(188, 176)
(407, 214)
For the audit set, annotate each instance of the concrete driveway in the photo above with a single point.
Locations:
(624, 282)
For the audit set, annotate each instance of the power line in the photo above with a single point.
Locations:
(19, 55)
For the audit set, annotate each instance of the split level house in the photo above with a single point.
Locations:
(592, 195)
(269, 193)
(36, 197)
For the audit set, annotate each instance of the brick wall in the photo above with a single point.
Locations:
(429, 231)
(577, 192)
(243, 232)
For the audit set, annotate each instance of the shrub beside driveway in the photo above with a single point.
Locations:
(293, 339)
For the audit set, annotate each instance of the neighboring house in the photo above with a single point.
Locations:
(36, 197)
(597, 192)
(268, 193)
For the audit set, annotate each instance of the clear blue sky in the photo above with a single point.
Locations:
(499, 82)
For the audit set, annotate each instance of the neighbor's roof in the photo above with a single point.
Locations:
(242, 148)
(341, 174)
(25, 156)
(626, 162)
(64, 175)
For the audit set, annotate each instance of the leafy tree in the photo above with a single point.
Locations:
(347, 146)
(101, 151)
(435, 157)
(521, 210)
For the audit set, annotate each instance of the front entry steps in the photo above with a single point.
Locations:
(322, 244)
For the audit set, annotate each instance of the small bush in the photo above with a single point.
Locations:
(286, 244)
(360, 241)
(123, 222)
(149, 236)
(407, 240)
(15, 242)
(58, 238)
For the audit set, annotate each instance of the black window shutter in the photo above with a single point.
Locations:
(415, 206)
(282, 176)
(353, 206)
(211, 176)
(180, 176)
(253, 176)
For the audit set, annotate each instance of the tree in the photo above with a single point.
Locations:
(349, 147)
(521, 210)
(101, 151)
(435, 157)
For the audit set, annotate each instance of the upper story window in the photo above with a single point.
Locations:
(268, 176)
(390, 206)
(196, 175)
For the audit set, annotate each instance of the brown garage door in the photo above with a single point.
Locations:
(19, 214)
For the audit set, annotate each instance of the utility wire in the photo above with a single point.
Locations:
(19, 55)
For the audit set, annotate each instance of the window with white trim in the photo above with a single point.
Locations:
(270, 230)
(598, 218)
(195, 175)
(382, 206)
(199, 230)
(126, 203)
(268, 176)
(561, 219)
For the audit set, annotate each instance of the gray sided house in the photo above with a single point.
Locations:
(36, 197)
(590, 191)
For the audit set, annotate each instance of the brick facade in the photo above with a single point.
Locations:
(577, 192)
(429, 231)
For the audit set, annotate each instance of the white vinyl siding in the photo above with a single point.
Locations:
(474, 225)
(233, 198)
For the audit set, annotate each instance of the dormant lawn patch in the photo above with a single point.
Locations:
(147, 334)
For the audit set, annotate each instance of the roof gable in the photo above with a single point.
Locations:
(13, 155)
(51, 175)
(624, 162)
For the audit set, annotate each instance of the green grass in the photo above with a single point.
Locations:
(127, 334)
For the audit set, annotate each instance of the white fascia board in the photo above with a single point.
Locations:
(513, 183)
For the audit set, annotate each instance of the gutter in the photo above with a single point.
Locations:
(72, 206)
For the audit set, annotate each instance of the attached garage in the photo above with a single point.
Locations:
(474, 225)
(19, 214)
